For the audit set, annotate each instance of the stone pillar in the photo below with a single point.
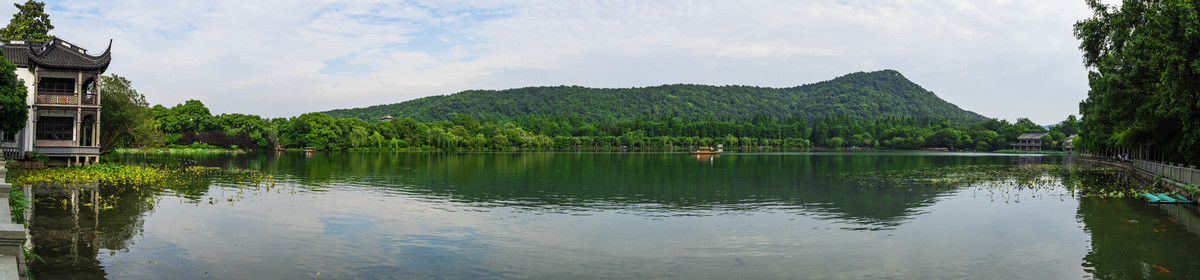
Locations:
(96, 129)
(76, 131)
(79, 87)
(99, 104)
(33, 114)
(96, 83)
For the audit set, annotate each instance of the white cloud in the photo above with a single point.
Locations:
(283, 58)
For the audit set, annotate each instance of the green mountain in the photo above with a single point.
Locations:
(862, 95)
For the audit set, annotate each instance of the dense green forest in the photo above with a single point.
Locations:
(1144, 62)
(191, 124)
(868, 96)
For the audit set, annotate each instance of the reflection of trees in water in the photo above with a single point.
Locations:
(661, 182)
(666, 183)
(644, 183)
(1130, 237)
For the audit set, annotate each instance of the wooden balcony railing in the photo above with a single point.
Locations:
(91, 99)
(57, 99)
(66, 98)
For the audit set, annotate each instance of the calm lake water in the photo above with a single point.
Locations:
(363, 215)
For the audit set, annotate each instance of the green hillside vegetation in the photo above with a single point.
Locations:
(192, 125)
(869, 96)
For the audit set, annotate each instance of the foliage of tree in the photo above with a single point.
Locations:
(575, 132)
(323, 132)
(191, 115)
(1068, 127)
(29, 23)
(870, 96)
(1028, 125)
(13, 111)
(123, 120)
(1144, 62)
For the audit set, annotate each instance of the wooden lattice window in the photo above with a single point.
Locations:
(56, 85)
(55, 128)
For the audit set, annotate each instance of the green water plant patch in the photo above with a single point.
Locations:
(129, 175)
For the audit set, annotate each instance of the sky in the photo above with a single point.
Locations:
(1003, 59)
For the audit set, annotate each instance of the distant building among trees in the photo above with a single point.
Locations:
(1029, 141)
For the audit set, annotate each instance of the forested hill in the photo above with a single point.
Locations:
(860, 95)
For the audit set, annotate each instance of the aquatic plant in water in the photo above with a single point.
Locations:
(105, 173)
(142, 180)
(130, 175)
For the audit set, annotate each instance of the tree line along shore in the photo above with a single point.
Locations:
(190, 124)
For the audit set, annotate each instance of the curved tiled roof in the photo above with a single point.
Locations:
(1032, 135)
(17, 54)
(55, 54)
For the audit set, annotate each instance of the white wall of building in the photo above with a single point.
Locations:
(26, 74)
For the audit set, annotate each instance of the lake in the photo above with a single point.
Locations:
(567, 215)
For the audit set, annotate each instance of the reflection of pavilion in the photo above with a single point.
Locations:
(64, 221)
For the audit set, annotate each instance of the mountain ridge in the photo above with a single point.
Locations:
(866, 95)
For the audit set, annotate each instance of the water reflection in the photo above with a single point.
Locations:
(705, 158)
(613, 215)
(65, 230)
(651, 181)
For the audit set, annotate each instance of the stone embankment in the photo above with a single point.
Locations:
(12, 235)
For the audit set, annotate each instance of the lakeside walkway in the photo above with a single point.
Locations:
(1173, 175)
(12, 235)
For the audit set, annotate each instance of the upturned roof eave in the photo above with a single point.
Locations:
(55, 55)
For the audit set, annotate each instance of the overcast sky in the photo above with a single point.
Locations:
(1002, 59)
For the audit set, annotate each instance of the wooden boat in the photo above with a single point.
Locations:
(706, 151)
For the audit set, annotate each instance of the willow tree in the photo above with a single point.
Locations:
(1144, 71)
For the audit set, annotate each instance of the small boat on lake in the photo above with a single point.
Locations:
(706, 150)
